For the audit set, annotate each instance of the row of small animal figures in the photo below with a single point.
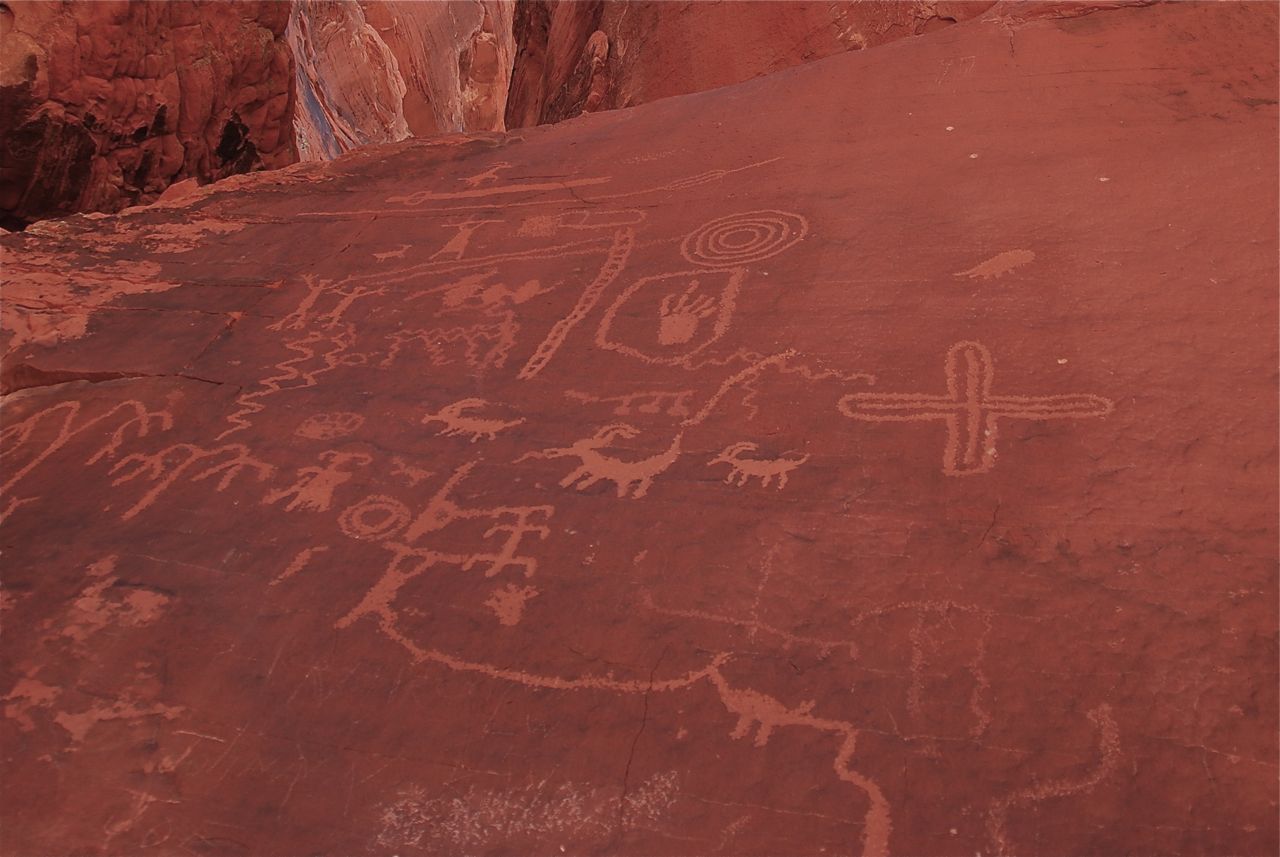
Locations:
(632, 478)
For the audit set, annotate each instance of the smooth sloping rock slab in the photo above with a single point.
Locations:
(878, 457)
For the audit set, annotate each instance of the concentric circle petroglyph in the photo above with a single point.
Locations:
(374, 517)
(748, 236)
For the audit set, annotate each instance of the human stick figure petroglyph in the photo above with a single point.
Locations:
(619, 253)
(141, 420)
(380, 518)
(765, 469)
(969, 409)
(313, 490)
(456, 247)
(457, 423)
(166, 466)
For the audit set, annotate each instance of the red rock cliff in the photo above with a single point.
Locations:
(106, 104)
(577, 57)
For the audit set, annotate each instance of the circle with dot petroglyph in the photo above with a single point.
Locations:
(328, 426)
(749, 236)
(374, 517)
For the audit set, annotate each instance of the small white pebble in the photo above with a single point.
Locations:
(1062, 361)
(951, 127)
(1104, 179)
(973, 155)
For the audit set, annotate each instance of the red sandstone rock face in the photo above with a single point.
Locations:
(377, 72)
(106, 104)
(779, 487)
(587, 56)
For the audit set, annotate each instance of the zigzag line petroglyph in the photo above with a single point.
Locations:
(21, 432)
(969, 409)
(619, 252)
(486, 344)
(251, 404)
(1109, 752)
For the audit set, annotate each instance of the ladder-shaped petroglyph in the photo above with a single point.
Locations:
(459, 423)
(743, 467)
(969, 409)
(313, 490)
(165, 467)
(619, 252)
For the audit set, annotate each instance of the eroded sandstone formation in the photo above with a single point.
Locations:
(577, 57)
(105, 104)
(763, 471)
(372, 72)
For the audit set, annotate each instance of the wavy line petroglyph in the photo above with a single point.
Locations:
(969, 409)
(293, 374)
(1109, 759)
(457, 422)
